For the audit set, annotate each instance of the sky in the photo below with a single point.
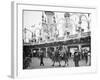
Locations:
(31, 18)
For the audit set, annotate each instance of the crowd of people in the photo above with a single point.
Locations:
(59, 54)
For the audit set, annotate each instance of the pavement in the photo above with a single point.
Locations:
(35, 63)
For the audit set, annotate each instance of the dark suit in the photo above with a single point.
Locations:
(76, 59)
(41, 58)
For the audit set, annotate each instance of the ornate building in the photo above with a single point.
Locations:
(72, 31)
(49, 25)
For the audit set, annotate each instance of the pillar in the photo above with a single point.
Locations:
(39, 52)
(79, 47)
(46, 51)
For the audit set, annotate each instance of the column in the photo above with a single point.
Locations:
(79, 47)
(39, 52)
(54, 48)
(68, 48)
(46, 51)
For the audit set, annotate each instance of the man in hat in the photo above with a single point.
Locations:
(76, 59)
(41, 58)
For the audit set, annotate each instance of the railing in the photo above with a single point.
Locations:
(76, 36)
(85, 34)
